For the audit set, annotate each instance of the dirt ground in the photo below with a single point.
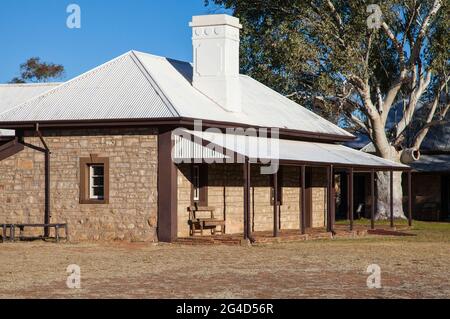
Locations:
(316, 269)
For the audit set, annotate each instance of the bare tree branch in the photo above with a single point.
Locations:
(398, 46)
(335, 14)
(414, 97)
(429, 122)
(423, 30)
(392, 94)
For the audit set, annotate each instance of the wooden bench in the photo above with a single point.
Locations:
(199, 224)
(21, 228)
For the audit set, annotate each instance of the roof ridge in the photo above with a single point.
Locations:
(154, 83)
(159, 56)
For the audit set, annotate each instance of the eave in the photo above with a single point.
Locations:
(179, 121)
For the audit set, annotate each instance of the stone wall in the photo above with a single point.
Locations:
(319, 197)
(132, 210)
(225, 193)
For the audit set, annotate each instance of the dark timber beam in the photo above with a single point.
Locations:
(47, 215)
(276, 221)
(409, 199)
(10, 148)
(303, 200)
(350, 196)
(372, 196)
(391, 193)
(247, 216)
(330, 199)
(167, 189)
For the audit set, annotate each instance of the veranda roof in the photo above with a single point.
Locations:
(439, 163)
(286, 151)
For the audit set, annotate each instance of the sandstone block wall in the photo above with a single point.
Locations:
(132, 210)
(225, 193)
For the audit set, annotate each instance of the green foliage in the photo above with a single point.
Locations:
(313, 48)
(33, 70)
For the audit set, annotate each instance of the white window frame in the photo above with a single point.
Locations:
(92, 185)
(196, 182)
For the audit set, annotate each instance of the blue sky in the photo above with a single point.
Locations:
(109, 28)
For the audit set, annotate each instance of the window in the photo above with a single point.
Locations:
(97, 182)
(94, 180)
(199, 178)
(196, 183)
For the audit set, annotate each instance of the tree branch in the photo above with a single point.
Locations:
(429, 122)
(398, 46)
(363, 90)
(423, 30)
(414, 97)
(337, 18)
(392, 94)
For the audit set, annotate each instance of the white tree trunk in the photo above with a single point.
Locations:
(384, 196)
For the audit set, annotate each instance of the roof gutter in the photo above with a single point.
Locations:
(172, 121)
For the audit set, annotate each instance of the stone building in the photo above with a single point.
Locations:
(430, 177)
(101, 153)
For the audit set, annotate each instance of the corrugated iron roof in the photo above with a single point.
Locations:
(12, 95)
(261, 106)
(119, 89)
(186, 150)
(142, 86)
(280, 149)
(432, 163)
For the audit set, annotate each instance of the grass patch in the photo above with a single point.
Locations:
(424, 231)
(431, 231)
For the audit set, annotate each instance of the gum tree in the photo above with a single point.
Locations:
(386, 78)
(34, 70)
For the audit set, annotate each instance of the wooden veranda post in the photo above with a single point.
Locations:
(350, 195)
(303, 203)
(247, 221)
(47, 193)
(276, 221)
(372, 194)
(330, 199)
(409, 199)
(392, 198)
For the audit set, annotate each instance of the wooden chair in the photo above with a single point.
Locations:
(199, 223)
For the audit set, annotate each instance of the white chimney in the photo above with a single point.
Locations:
(216, 59)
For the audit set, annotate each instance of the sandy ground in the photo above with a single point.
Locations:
(318, 269)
